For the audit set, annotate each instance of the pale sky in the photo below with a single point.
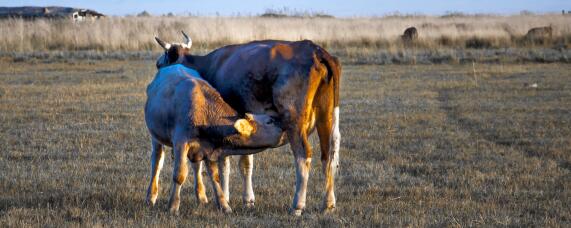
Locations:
(337, 8)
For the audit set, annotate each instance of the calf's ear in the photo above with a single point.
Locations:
(244, 127)
(250, 116)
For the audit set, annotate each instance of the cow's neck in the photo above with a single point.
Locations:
(202, 64)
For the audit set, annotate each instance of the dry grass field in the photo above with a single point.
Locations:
(136, 33)
(422, 145)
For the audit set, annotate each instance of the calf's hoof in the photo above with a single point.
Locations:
(203, 201)
(173, 211)
(329, 209)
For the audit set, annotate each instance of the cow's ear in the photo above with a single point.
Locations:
(244, 127)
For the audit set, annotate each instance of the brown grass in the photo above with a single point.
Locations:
(136, 34)
(431, 145)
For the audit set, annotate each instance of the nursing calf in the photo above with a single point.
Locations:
(184, 112)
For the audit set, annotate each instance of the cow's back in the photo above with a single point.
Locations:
(246, 74)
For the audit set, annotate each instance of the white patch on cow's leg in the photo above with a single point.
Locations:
(157, 159)
(179, 175)
(333, 162)
(246, 168)
(225, 177)
(302, 168)
(199, 189)
(174, 201)
(213, 172)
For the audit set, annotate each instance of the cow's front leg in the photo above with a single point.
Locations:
(157, 159)
(246, 168)
(213, 172)
(199, 189)
(180, 172)
(225, 177)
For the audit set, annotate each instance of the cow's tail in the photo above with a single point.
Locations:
(331, 157)
(333, 72)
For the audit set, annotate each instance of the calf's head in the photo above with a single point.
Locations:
(173, 51)
(259, 131)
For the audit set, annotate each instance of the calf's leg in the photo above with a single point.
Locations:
(157, 159)
(199, 189)
(180, 172)
(225, 177)
(213, 172)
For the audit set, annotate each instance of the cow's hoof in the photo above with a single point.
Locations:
(296, 212)
(150, 203)
(150, 200)
(227, 210)
(249, 204)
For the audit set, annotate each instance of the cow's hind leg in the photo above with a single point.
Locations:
(302, 154)
(199, 189)
(157, 159)
(329, 139)
(180, 172)
(246, 168)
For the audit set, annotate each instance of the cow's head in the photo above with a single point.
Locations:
(260, 130)
(173, 51)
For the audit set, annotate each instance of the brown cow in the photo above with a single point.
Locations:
(410, 35)
(184, 112)
(296, 81)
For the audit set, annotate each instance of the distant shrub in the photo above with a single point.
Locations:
(144, 14)
(450, 14)
(286, 12)
(274, 15)
(445, 41)
(478, 43)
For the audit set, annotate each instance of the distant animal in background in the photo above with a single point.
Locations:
(530, 85)
(410, 35)
(540, 33)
